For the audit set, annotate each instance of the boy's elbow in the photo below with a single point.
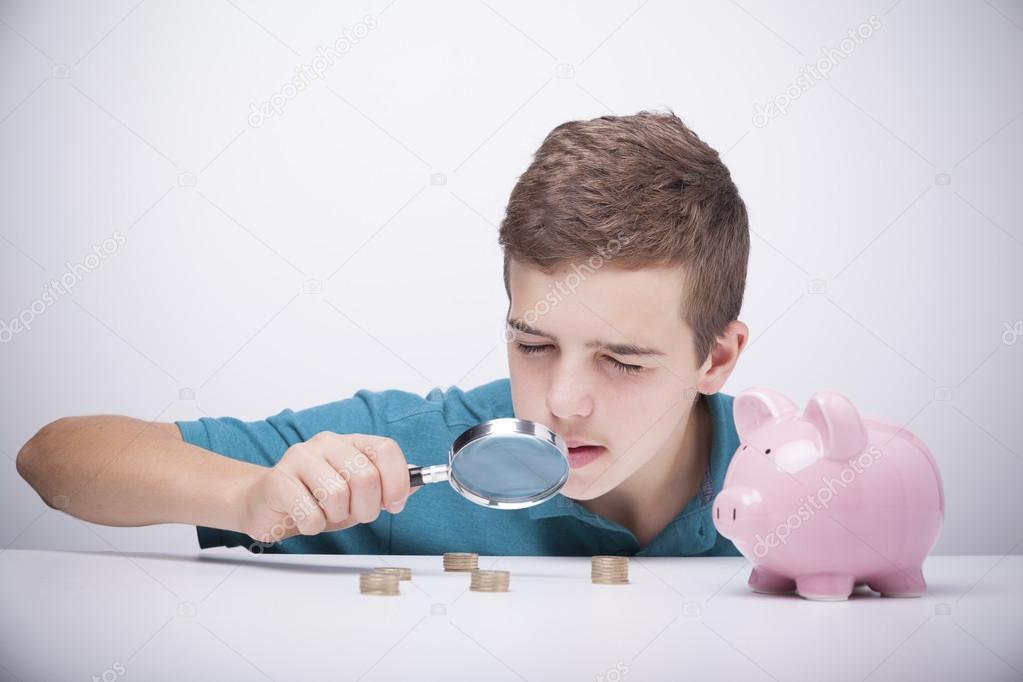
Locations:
(35, 458)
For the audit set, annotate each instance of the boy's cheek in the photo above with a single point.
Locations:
(528, 398)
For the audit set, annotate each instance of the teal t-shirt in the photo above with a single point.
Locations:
(437, 519)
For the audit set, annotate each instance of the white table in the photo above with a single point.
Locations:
(226, 614)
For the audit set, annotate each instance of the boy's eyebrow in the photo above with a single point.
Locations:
(616, 348)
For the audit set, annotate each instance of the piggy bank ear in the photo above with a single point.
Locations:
(754, 406)
(839, 423)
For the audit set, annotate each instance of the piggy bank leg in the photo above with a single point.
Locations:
(907, 582)
(825, 586)
(767, 582)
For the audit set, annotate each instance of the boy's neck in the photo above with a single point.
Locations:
(655, 494)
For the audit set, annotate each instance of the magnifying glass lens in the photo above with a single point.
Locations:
(504, 463)
(509, 467)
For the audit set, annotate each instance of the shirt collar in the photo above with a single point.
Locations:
(692, 530)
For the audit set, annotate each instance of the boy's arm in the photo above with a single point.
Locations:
(326, 467)
(121, 471)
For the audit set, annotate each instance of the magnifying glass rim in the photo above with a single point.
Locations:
(511, 426)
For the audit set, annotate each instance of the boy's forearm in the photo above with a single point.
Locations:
(121, 471)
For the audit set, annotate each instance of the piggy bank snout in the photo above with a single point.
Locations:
(734, 508)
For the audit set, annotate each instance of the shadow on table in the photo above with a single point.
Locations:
(253, 562)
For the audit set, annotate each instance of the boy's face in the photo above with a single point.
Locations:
(571, 369)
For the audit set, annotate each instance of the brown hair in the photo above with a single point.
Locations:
(650, 185)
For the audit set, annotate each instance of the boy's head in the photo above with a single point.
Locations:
(625, 251)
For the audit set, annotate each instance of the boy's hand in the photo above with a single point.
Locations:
(330, 482)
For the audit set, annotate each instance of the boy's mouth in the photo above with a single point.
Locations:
(582, 455)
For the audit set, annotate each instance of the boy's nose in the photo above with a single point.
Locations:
(568, 397)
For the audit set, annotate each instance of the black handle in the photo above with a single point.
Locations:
(415, 476)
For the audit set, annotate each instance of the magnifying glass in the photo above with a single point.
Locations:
(504, 463)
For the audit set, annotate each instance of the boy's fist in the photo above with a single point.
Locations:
(329, 482)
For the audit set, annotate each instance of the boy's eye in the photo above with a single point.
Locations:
(530, 348)
(622, 367)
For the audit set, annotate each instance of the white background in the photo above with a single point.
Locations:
(885, 210)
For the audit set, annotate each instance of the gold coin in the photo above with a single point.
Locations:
(489, 581)
(401, 572)
(460, 561)
(609, 570)
(378, 583)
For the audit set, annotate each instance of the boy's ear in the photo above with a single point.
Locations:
(718, 366)
(754, 406)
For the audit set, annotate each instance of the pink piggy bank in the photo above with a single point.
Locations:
(823, 501)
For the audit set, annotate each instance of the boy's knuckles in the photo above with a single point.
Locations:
(335, 514)
(313, 524)
(388, 447)
(362, 477)
(382, 448)
(298, 456)
(335, 507)
(323, 438)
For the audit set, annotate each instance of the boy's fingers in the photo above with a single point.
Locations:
(416, 488)
(328, 488)
(386, 455)
(352, 452)
(347, 523)
(365, 486)
(399, 506)
(292, 498)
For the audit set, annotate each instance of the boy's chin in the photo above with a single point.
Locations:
(581, 487)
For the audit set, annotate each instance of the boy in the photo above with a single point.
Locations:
(625, 245)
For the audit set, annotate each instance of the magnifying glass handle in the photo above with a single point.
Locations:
(418, 476)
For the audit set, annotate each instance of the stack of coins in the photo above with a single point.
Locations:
(402, 573)
(609, 570)
(378, 583)
(461, 561)
(489, 581)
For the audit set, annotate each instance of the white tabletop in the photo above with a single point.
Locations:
(226, 614)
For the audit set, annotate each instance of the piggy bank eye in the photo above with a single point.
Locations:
(767, 451)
